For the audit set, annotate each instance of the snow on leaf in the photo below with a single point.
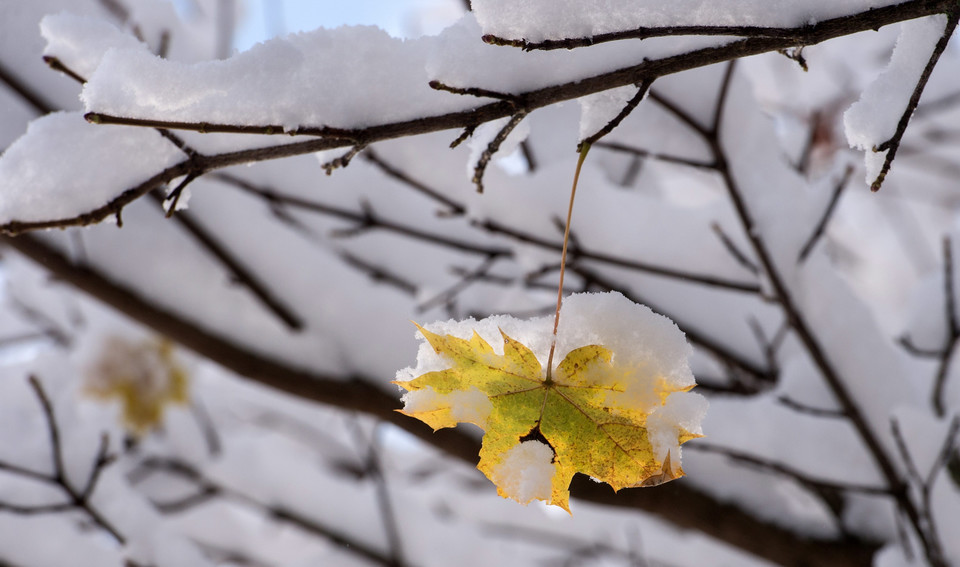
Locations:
(542, 429)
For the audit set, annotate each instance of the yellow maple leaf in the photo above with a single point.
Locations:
(145, 377)
(577, 419)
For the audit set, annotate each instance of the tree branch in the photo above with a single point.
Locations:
(676, 502)
(816, 351)
(795, 36)
(330, 138)
(893, 144)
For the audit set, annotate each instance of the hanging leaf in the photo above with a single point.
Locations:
(542, 428)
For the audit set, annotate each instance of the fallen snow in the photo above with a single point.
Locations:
(63, 167)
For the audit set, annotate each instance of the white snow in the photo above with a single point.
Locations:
(525, 472)
(873, 119)
(63, 167)
(537, 20)
(470, 406)
(346, 77)
(79, 42)
(349, 77)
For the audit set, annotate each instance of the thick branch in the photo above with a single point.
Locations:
(676, 502)
(331, 138)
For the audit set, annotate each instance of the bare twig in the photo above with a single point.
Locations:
(642, 89)
(55, 64)
(454, 208)
(497, 228)
(827, 214)
(953, 330)
(795, 36)
(235, 267)
(516, 100)
(467, 278)
(378, 273)
(785, 470)
(810, 410)
(908, 345)
(364, 219)
(207, 488)
(343, 160)
(481, 167)
(75, 499)
(40, 104)
(734, 251)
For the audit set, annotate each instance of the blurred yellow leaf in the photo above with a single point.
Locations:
(145, 377)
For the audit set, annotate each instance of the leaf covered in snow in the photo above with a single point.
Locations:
(542, 428)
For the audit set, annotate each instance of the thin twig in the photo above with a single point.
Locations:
(827, 214)
(235, 267)
(208, 488)
(331, 138)
(620, 147)
(477, 92)
(734, 251)
(343, 160)
(75, 499)
(454, 208)
(467, 278)
(953, 330)
(378, 273)
(40, 104)
(481, 167)
(642, 89)
(786, 470)
(946, 453)
(810, 410)
(794, 36)
(711, 281)
(57, 65)
(908, 345)
(893, 144)
(364, 219)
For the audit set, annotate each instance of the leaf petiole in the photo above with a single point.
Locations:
(584, 148)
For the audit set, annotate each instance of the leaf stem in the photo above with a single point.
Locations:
(584, 148)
